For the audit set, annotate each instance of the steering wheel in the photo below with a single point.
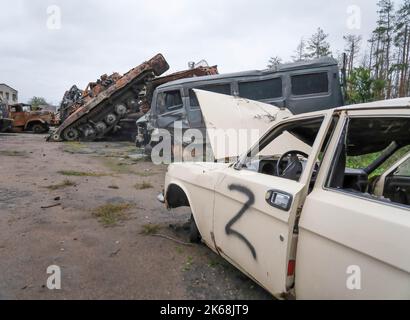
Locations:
(293, 164)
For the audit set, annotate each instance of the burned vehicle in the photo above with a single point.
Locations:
(300, 87)
(316, 200)
(76, 99)
(107, 103)
(6, 123)
(27, 119)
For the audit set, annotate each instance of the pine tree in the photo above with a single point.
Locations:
(402, 44)
(318, 46)
(352, 50)
(300, 53)
(274, 62)
(383, 37)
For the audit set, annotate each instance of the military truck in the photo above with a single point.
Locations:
(299, 87)
(6, 122)
(25, 118)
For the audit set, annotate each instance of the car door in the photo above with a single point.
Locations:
(255, 214)
(352, 244)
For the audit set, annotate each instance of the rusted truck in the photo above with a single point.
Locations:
(27, 119)
(6, 122)
(76, 99)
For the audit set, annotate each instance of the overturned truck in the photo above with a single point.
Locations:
(102, 113)
(114, 103)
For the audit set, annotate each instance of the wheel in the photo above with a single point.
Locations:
(101, 127)
(121, 110)
(39, 128)
(194, 235)
(71, 134)
(110, 119)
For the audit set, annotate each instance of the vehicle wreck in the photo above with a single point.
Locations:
(299, 87)
(131, 93)
(27, 119)
(281, 213)
(6, 123)
(102, 113)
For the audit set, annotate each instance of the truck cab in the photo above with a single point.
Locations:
(27, 119)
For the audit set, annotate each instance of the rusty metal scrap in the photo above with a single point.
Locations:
(96, 116)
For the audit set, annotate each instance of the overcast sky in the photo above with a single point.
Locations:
(99, 37)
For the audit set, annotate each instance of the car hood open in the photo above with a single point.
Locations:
(237, 121)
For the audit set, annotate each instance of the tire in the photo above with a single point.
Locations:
(39, 128)
(194, 234)
(71, 134)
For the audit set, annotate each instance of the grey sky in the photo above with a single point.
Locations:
(99, 37)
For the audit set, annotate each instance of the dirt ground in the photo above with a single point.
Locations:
(53, 211)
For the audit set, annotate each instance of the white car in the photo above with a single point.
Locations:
(305, 212)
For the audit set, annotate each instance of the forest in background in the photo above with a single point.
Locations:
(377, 68)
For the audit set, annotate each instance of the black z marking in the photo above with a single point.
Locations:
(228, 229)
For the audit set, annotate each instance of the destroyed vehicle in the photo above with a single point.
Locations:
(126, 129)
(25, 118)
(6, 123)
(108, 101)
(300, 87)
(310, 211)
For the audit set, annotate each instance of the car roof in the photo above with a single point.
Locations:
(300, 65)
(381, 104)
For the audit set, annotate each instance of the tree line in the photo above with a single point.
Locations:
(376, 68)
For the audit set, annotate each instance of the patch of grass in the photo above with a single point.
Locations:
(188, 264)
(214, 264)
(143, 186)
(12, 153)
(150, 229)
(65, 184)
(73, 147)
(81, 174)
(110, 214)
(145, 174)
(179, 250)
(116, 166)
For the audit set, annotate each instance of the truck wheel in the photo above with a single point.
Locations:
(39, 128)
(194, 235)
(71, 134)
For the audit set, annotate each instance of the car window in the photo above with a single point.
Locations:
(367, 148)
(217, 88)
(169, 101)
(404, 169)
(310, 84)
(260, 90)
(284, 152)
